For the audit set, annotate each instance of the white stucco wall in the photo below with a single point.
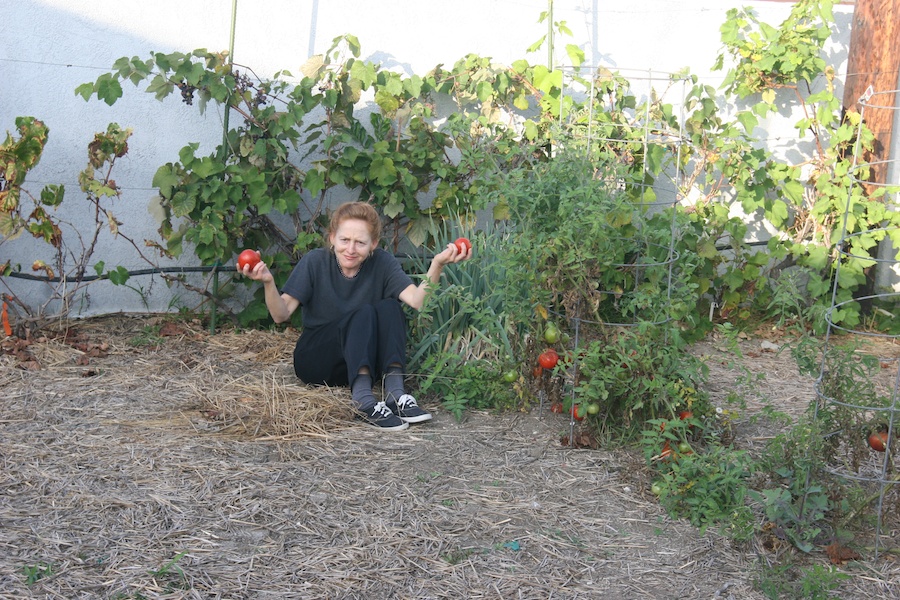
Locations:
(49, 47)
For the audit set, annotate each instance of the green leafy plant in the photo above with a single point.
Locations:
(460, 384)
(772, 64)
(468, 312)
(704, 481)
(798, 495)
(815, 582)
(34, 573)
(636, 374)
(422, 170)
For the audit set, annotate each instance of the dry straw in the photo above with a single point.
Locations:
(196, 466)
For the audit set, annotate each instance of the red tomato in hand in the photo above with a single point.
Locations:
(548, 358)
(463, 244)
(878, 441)
(248, 258)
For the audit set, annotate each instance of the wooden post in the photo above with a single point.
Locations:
(874, 59)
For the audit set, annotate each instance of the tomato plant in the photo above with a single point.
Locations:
(666, 452)
(548, 358)
(248, 258)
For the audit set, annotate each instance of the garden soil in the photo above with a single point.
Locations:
(146, 458)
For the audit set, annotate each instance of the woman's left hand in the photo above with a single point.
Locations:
(452, 254)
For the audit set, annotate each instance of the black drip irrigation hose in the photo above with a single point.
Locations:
(154, 271)
(215, 269)
(160, 270)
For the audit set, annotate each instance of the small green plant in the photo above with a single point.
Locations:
(34, 573)
(149, 336)
(454, 557)
(171, 574)
(706, 483)
(789, 304)
(783, 505)
(461, 385)
(780, 581)
(798, 496)
(426, 477)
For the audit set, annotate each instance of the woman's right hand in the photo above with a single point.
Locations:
(259, 272)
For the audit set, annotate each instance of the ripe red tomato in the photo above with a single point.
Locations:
(685, 414)
(463, 244)
(556, 407)
(578, 412)
(548, 358)
(878, 440)
(248, 258)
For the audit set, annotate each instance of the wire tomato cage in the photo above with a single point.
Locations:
(857, 399)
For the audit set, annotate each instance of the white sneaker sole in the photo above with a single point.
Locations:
(419, 419)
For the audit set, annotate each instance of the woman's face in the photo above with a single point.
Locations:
(352, 242)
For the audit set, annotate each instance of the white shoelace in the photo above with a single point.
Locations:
(382, 409)
(406, 401)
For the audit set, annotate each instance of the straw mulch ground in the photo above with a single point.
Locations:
(140, 462)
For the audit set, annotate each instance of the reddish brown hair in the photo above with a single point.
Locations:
(355, 210)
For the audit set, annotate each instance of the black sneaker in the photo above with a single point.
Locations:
(381, 416)
(408, 410)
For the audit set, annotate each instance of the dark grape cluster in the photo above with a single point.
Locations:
(243, 83)
(261, 96)
(187, 92)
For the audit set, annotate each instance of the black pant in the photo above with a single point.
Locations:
(372, 336)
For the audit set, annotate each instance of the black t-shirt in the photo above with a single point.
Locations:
(326, 295)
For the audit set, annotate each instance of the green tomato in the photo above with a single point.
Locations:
(685, 448)
(551, 334)
(593, 408)
(656, 488)
(510, 376)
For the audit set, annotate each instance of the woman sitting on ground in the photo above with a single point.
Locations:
(354, 328)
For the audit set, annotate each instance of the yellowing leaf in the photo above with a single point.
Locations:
(313, 66)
